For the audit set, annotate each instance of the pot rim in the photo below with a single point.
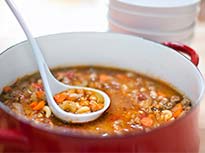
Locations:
(67, 132)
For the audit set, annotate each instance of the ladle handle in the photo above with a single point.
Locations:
(43, 68)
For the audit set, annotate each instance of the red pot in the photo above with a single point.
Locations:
(19, 134)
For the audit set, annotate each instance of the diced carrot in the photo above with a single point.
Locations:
(177, 109)
(177, 113)
(39, 106)
(104, 78)
(33, 104)
(40, 94)
(7, 89)
(59, 98)
(147, 121)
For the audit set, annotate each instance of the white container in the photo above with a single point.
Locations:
(158, 7)
(184, 35)
(144, 21)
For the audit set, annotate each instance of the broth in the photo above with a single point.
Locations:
(138, 103)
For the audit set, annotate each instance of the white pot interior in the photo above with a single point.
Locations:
(107, 49)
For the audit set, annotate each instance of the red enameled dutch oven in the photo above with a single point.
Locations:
(107, 49)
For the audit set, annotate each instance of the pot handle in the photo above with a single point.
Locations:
(13, 137)
(184, 49)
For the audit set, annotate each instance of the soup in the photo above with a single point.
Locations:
(79, 101)
(138, 103)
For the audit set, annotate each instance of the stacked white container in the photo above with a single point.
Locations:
(157, 20)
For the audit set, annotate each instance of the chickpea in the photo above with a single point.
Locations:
(80, 101)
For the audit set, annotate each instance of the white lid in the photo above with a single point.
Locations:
(160, 3)
(157, 7)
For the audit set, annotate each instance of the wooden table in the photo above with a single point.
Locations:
(54, 16)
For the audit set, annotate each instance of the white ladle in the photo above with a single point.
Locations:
(53, 86)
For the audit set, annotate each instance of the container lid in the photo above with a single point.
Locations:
(160, 3)
(168, 7)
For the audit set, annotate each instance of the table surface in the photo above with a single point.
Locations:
(56, 16)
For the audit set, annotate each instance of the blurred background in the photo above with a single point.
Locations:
(56, 16)
(52, 16)
(202, 11)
